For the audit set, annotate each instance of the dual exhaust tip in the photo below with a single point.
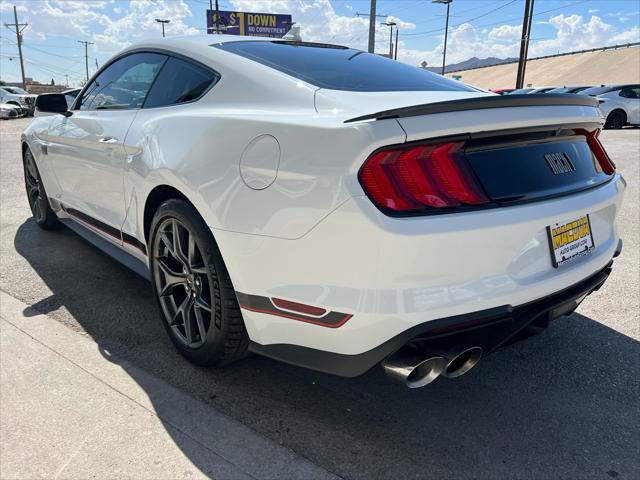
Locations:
(415, 369)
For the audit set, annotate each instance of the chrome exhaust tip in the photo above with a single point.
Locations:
(413, 369)
(461, 362)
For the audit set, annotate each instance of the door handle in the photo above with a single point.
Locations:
(108, 140)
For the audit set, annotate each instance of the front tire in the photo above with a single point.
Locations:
(41, 210)
(197, 300)
(616, 120)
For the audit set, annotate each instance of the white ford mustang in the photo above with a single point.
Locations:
(327, 207)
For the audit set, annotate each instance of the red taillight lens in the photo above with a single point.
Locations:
(598, 150)
(415, 178)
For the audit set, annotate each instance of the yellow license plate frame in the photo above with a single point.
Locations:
(570, 240)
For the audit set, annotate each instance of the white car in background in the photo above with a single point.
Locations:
(328, 207)
(8, 110)
(619, 104)
(18, 97)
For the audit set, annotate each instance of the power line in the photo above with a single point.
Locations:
(535, 14)
(52, 54)
(417, 34)
(499, 22)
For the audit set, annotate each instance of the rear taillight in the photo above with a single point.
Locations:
(597, 149)
(420, 177)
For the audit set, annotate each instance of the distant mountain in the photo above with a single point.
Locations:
(473, 62)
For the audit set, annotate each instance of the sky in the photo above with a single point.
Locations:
(480, 28)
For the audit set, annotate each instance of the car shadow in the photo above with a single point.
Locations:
(563, 404)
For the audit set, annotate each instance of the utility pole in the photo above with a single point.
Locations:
(86, 56)
(372, 25)
(446, 31)
(395, 55)
(19, 27)
(163, 23)
(66, 80)
(524, 42)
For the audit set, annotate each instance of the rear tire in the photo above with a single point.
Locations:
(41, 210)
(616, 120)
(197, 300)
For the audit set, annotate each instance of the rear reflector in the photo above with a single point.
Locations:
(420, 177)
(598, 150)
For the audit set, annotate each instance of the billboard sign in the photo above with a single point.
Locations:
(251, 24)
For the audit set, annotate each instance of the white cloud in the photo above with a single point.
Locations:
(139, 22)
(629, 36)
(464, 42)
(505, 32)
(89, 20)
(319, 21)
(113, 25)
(574, 33)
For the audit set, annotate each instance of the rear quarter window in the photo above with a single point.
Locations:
(178, 82)
(341, 68)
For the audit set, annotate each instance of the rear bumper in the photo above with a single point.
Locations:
(489, 329)
(392, 274)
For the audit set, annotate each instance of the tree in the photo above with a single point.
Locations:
(52, 82)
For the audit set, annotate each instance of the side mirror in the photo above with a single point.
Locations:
(52, 103)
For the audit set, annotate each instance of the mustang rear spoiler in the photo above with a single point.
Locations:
(479, 103)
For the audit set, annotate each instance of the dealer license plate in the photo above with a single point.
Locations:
(570, 240)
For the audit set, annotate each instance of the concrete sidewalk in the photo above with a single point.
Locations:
(70, 410)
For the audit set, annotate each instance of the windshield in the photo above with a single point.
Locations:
(17, 90)
(600, 90)
(520, 90)
(341, 68)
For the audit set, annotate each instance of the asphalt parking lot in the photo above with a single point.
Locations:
(564, 404)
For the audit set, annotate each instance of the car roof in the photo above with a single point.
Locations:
(197, 41)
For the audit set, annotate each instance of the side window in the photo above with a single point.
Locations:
(630, 92)
(124, 84)
(179, 81)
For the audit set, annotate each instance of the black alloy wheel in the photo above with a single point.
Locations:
(183, 285)
(41, 210)
(193, 288)
(616, 120)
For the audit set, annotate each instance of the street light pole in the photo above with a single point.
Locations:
(162, 22)
(395, 54)
(210, 29)
(446, 31)
(217, 17)
(390, 25)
